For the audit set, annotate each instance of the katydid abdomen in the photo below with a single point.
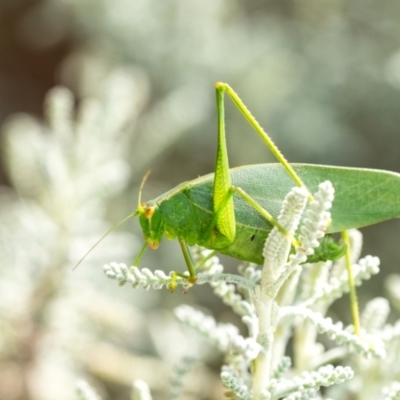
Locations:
(186, 211)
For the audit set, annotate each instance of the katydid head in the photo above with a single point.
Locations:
(152, 223)
(150, 218)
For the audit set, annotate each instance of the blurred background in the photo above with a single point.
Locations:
(95, 92)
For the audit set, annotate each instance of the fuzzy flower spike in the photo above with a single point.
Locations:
(278, 266)
(277, 246)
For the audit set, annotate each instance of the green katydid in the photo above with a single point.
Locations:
(232, 211)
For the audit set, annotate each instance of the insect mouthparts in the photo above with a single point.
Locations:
(153, 244)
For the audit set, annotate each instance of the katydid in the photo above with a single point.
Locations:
(232, 211)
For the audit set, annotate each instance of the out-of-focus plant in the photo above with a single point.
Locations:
(66, 171)
(59, 203)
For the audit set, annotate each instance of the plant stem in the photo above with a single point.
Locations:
(266, 310)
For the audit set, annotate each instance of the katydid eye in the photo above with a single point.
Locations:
(149, 211)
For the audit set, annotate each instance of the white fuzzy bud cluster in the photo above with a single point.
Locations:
(283, 366)
(277, 245)
(228, 294)
(225, 336)
(143, 277)
(233, 383)
(227, 291)
(307, 384)
(336, 332)
(229, 278)
(316, 221)
(179, 375)
(334, 289)
(311, 382)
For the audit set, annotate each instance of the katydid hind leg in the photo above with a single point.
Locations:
(224, 216)
(352, 286)
(226, 201)
(223, 205)
(222, 88)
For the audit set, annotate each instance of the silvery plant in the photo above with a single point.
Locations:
(67, 170)
(286, 302)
